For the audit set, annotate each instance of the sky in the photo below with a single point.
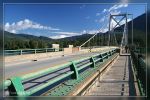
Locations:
(64, 20)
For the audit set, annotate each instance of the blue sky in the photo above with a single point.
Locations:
(63, 20)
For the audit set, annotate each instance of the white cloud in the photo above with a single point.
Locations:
(115, 12)
(62, 34)
(13, 31)
(102, 19)
(104, 30)
(84, 32)
(92, 31)
(104, 10)
(123, 21)
(26, 24)
(114, 7)
(67, 33)
(58, 36)
(129, 19)
(117, 6)
(125, 1)
(112, 10)
(96, 31)
(97, 14)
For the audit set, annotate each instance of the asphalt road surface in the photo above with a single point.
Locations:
(25, 68)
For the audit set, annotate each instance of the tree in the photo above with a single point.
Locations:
(27, 45)
(33, 44)
(41, 44)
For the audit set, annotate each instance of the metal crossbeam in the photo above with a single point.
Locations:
(125, 30)
(118, 23)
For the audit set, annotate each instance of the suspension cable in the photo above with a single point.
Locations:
(93, 35)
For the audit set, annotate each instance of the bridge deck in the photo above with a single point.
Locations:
(68, 88)
(117, 81)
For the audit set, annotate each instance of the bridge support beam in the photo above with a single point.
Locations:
(16, 88)
(101, 58)
(92, 60)
(74, 68)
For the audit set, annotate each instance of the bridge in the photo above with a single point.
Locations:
(97, 69)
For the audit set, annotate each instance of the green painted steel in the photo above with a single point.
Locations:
(140, 87)
(84, 66)
(95, 61)
(80, 60)
(104, 56)
(92, 60)
(142, 64)
(72, 83)
(96, 55)
(64, 89)
(110, 53)
(30, 51)
(68, 86)
(48, 83)
(139, 67)
(100, 56)
(46, 71)
(73, 67)
(7, 83)
(16, 88)
(98, 59)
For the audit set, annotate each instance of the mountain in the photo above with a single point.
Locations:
(25, 37)
(11, 39)
(22, 41)
(139, 30)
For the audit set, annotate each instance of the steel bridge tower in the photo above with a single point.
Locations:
(111, 29)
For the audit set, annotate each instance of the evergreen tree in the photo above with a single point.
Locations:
(33, 44)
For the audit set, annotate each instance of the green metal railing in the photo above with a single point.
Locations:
(139, 66)
(30, 51)
(15, 85)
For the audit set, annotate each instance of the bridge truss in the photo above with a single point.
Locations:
(109, 38)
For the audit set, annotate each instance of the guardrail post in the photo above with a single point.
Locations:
(110, 53)
(92, 60)
(20, 52)
(113, 51)
(100, 56)
(16, 88)
(46, 50)
(107, 55)
(74, 68)
(35, 51)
